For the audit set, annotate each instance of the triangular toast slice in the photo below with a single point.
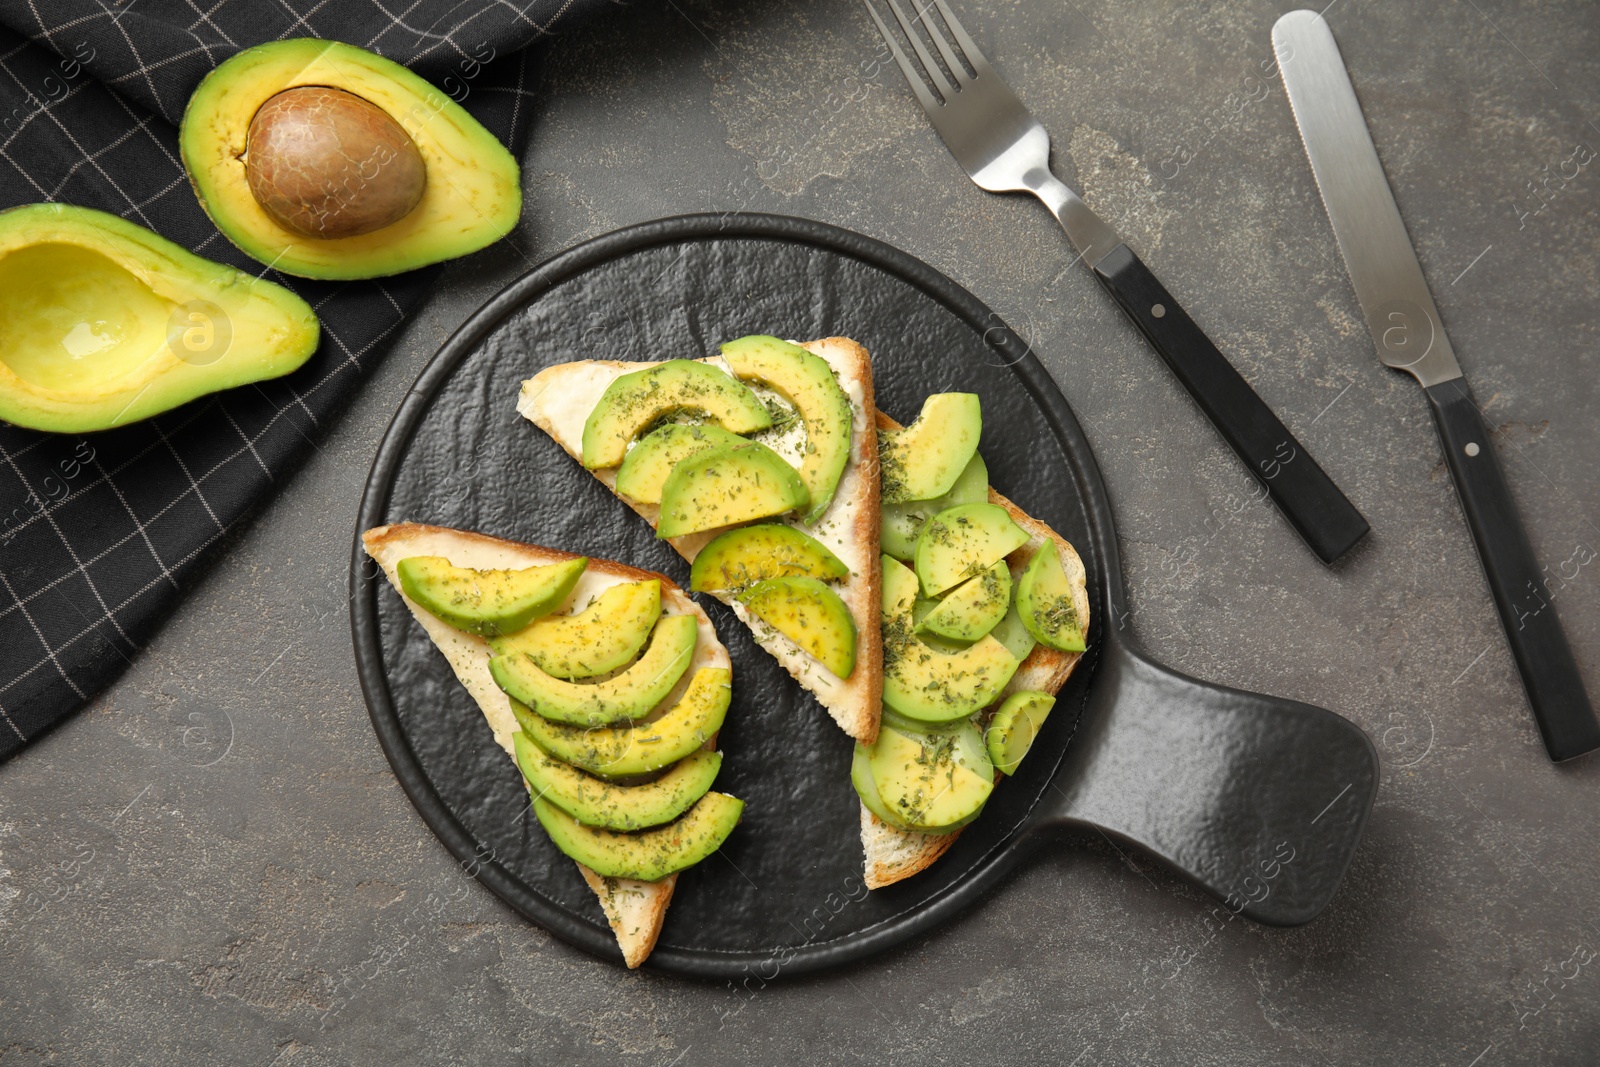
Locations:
(634, 909)
(559, 399)
(893, 854)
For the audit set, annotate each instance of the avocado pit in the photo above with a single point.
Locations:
(326, 164)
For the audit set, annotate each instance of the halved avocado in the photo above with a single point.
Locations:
(489, 602)
(1046, 603)
(932, 782)
(808, 383)
(634, 402)
(740, 558)
(726, 486)
(602, 637)
(811, 615)
(596, 802)
(629, 695)
(103, 323)
(924, 460)
(903, 522)
(972, 608)
(471, 192)
(645, 468)
(647, 855)
(622, 752)
(1014, 726)
(963, 542)
(931, 684)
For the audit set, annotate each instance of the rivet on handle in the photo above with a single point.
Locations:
(1471, 449)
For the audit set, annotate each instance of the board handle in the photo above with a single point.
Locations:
(1260, 800)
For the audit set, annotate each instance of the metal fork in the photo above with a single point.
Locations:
(1004, 149)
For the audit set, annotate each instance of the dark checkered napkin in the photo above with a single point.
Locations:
(100, 534)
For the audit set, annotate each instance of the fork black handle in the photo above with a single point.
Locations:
(1294, 481)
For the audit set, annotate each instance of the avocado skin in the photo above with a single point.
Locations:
(647, 855)
(607, 806)
(629, 695)
(635, 401)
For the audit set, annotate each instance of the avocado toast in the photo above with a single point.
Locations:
(771, 433)
(594, 650)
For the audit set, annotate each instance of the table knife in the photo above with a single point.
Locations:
(1405, 326)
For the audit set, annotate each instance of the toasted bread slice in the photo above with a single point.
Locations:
(893, 854)
(559, 399)
(634, 909)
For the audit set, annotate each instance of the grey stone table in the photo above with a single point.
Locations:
(214, 864)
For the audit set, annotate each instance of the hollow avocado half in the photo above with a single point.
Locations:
(103, 322)
(472, 192)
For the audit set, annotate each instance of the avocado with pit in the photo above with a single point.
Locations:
(811, 615)
(972, 608)
(645, 468)
(924, 460)
(902, 523)
(807, 382)
(635, 402)
(103, 323)
(1047, 603)
(629, 695)
(740, 558)
(1014, 726)
(646, 855)
(597, 802)
(625, 751)
(931, 783)
(327, 161)
(605, 635)
(927, 683)
(725, 486)
(963, 542)
(487, 602)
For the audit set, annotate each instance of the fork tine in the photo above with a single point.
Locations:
(943, 45)
(927, 99)
(935, 75)
(968, 46)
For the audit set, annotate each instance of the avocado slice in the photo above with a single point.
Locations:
(932, 782)
(962, 542)
(470, 192)
(738, 559)
(972, 608)
(622, 752)
(811, 615)
(903, 522)
(1014, 726)
(1046, 604)
(647, 855)
(867, 789)
(596, 802)
(634, 402)
(629, 695)
(106, 323)
(807, 382)
(724, 486)
(924, 460)
(645, 468)
(1010, 632)
(928, 683)
(489, 602)
(602, 637)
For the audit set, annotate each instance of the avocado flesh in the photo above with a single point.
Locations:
(811, 615)
(596, 802)
(962, 542)
(807, 382)
(645, 468)
(924, 460)
(473, 191)
(1046, 603)
(931, 783)
(740, 558)
(867, 789)
(625, 751)
(602, 637)
(927, 683)
(724, 486)
(103, 323)
(901, 523)
(633, 402)
(1014, 726)
(489, 602)
(646, 855)
(1010, 632)
(972, 608)
(629, 695)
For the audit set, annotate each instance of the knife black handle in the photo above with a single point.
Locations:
(1521, 593)
(1314, 506)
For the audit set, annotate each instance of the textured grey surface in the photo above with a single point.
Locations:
(213, 863)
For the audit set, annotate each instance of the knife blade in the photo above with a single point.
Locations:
(1409, 336)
